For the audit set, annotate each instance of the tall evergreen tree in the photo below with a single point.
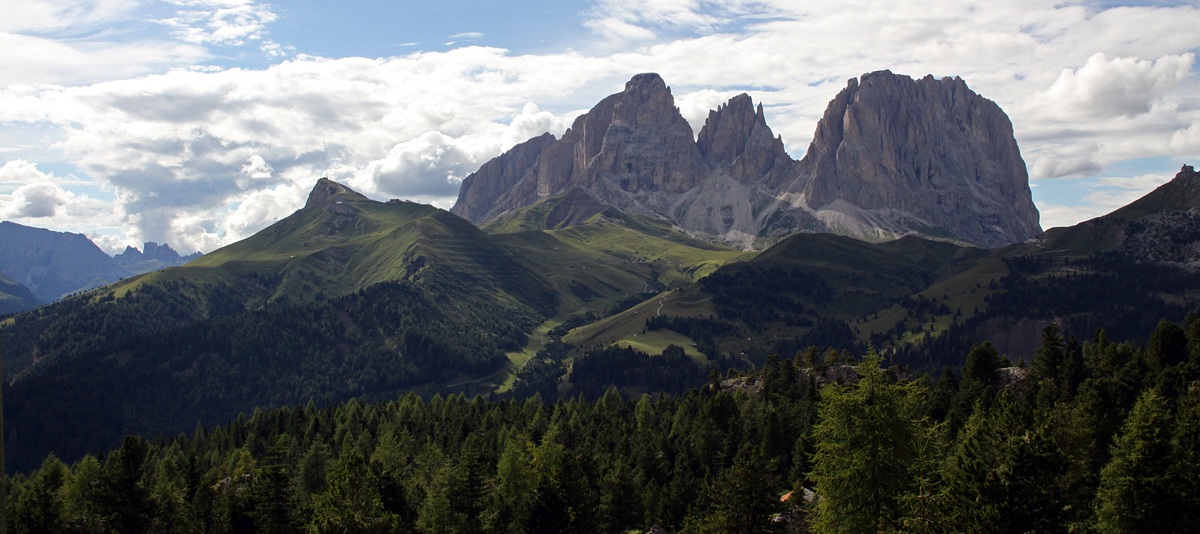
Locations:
(1185, 449)
(1168, 346)
(275, 503)
(1138, 484)
(739, 500)
(865, 441)
(121, 492)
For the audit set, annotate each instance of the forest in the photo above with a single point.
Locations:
(1091, 436)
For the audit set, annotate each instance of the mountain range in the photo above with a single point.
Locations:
(152, 257)
(568, 293)
(892, 156)
(38, 265)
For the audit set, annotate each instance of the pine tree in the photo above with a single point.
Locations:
(1168, 346)
(511, 496)
(120, 491)
(739, 500)
(1185, 449)
(275, 503)
(1137, 485)
(865, 441)
(351, 502)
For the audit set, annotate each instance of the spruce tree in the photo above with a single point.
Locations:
(866, 438)
(1138, 484)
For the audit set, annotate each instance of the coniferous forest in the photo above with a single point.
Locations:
(1090, 436)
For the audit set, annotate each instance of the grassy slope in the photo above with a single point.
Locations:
(15, 297)
(603, 260)
(866, 278)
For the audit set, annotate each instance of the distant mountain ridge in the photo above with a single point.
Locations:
(892, 156)
(53, 264)
(152, 257)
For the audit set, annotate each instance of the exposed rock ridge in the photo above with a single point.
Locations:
(922, 155)
(892, 156)
(152, 257)
(498, 177)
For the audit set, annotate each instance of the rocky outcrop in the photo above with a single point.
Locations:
(497, 177)
(633, 151)
(152, 257)
(736, 137)
(892, 156)
(925, 155)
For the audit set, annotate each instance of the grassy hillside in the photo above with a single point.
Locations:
(15, 297)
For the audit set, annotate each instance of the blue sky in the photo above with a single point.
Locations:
(199, 122)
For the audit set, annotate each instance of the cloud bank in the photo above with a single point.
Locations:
(198, 156)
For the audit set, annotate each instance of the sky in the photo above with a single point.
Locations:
(197, 123)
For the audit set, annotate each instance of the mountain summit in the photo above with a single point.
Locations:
(892, 156)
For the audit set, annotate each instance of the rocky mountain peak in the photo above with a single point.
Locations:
(327, 190)
(498, 177)
(736, 136)
(152, 257)
(646, 100)
(926, 153)
(632, 150)
(892, 156)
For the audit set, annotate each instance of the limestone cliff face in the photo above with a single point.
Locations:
(498, 177)
(736, 137)
(892, 156)
(927, 155)
(633, 151)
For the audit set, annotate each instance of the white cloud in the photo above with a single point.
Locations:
(429, 165)
(27, 59)
(1070, 160)
(36, 201)
(257, 168)
(39, 199)
(1118, 87)
(41, 16)
(84, 41)
(37, 195)
(199, 156)
(221, 22)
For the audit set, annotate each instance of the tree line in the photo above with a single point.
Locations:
(1092, 436)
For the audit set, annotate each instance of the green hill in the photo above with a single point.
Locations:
(15, 297)
(810, 287)
(347, 297)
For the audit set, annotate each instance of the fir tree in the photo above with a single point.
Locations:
(1137, 486)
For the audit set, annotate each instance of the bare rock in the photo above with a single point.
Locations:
(926, 155)
(892, 156)
(736, 137)
(498, 177)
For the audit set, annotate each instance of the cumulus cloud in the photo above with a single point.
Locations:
(256, 167)
(1122, 86)
(36, 201)
(432, 165)
(39, 199)
(1070, 160)
(37, 195)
